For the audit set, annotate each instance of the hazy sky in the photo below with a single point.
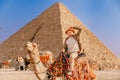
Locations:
(102, 17)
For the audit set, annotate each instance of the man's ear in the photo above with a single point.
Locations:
(34, 44)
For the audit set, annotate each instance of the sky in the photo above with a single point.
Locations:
(102, 17)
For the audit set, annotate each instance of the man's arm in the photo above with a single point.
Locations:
(78, 30)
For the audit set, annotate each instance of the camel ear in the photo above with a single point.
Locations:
(34, 44)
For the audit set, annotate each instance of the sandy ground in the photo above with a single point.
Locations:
(108, 75)
(10, 74)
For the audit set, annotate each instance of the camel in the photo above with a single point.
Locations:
(37, 59)
(6, 64)
(38, 67)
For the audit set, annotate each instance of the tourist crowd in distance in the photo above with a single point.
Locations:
(21, 64)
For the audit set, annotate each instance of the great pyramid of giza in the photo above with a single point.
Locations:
(48, 29)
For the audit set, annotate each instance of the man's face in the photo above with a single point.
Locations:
(70, 33)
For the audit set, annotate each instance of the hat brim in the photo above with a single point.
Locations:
(69, 30)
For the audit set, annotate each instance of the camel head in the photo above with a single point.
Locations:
(31, 46)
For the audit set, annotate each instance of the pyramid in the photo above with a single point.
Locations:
(48, 31)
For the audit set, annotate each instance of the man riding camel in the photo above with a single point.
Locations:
(72, 45)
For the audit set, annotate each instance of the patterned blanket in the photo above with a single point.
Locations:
(60, 67)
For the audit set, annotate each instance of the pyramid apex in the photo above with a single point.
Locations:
(58, 3)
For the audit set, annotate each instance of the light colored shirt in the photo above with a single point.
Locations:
(72, 45)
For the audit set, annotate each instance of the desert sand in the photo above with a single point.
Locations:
(10, 74)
